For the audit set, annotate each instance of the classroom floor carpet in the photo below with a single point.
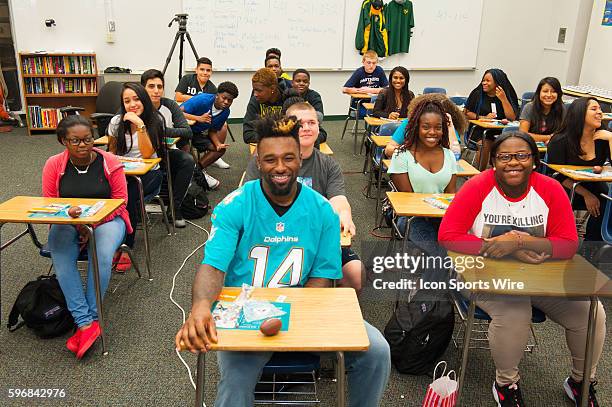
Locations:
(142, 367)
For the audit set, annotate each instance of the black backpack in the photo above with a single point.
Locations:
(418, 333)
(42, 307)
(195, 205)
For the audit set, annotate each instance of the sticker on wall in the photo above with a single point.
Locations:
(607, 17)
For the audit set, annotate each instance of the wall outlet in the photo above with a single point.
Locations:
(561, 36)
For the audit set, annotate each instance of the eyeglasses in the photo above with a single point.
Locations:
(507, 157)
(77, 141)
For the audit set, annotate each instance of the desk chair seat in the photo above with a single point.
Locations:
(434, 90)
(480, 336)
(294, 369)
(458, 100)
(83, 256)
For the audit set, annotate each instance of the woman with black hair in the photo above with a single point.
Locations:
(543, 116)
(494, 98)
(513, 211)
(137, 132)
(581, 142)
(424, 163)
(393, 101)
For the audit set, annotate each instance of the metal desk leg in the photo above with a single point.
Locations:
(200, 379)
(170, 192)
(588, 356)
(145, 225)
(466, 347)
(92, 252)
(573, 191)
(1, 247)
(341, 377)
(380, 174)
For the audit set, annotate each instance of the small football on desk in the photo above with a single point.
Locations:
(597, 169)
(504, 121)
(75, 211)
(271, 327)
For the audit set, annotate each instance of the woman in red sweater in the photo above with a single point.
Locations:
(511, 210)
(82, 171)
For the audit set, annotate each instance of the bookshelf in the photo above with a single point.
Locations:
(55, 80)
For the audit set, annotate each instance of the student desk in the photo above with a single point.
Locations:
(360, 99)
(378, 142)
(490, 124)
(313, 327)
(577, 179)
(577, 93)
(323, 147)
(377, 121)
(15, 210)
(147, 165)
(555, 278)
(464, 168)
(412, 204)
(103, 141)
(368, 105)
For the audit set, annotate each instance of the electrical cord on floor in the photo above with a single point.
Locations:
(181, 308)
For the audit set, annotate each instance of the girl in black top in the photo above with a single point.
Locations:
(543, 116)
(494, 98)
(393, 101)
(581, 142)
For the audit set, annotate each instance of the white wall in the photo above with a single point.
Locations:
(598, 51)
(522, 43)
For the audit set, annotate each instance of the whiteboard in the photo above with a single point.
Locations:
(320, 34)
(235, 34)
(445, 35)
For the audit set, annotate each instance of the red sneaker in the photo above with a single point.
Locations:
(88, 337)
(124, 263)
(73, 342)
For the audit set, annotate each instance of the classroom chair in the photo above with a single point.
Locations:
(355, 113)
(458, 100)
(434, 90)
(480, 327)
(510, 128)
(606, 227)
(526, 98)
(108, 104)
(285, 370)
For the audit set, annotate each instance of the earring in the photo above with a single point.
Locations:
(534, 167)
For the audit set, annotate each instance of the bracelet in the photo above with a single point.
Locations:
(520, 241)
(142, 128)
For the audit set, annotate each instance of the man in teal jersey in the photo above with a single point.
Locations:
(273, 232)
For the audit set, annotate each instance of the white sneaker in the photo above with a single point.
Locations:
(212, 182)
(221, 164)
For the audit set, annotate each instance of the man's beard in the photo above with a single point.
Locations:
(275, 189)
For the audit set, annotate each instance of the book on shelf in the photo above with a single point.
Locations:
(60, 85)
(59, 65)
(43, 117)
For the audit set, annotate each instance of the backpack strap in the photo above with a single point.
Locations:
(12, 324)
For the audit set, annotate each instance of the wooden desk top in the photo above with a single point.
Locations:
(345, 240)
(492, 124)
(554, 278)
(465, 169)
(149, 164)
(560, 169)
(324, 148)
(15, 210)
(103, 141)
(412, 204)
(381, 141)
(359, 95)
(376, 121)
(582, 94)
(321, 320)
(368, 105)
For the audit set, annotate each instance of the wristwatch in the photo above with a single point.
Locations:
(142, 127)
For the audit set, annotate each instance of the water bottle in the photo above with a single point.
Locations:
(455, 148)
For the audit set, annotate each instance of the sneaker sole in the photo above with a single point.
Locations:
(495, 396)
(568, 390)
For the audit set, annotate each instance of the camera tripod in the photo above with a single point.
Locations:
(181, 34)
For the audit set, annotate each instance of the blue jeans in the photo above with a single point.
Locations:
(368, 373)
(64, 246)
(423, 233)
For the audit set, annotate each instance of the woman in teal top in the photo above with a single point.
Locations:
(424, 163)
(457, 125)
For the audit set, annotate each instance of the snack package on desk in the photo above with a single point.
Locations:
(257, 310)
(226, 314)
